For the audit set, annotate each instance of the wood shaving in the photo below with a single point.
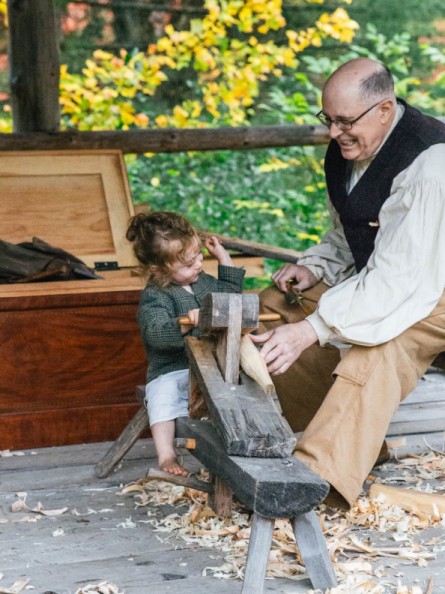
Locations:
(8, 453)
(101, 588)
(21, 505)
(16, 587)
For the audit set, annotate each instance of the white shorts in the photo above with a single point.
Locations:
(166, 397)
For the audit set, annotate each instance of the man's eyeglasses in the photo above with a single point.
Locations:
(341, 123)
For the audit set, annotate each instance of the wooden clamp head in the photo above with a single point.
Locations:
(217, 309)
(226, 316)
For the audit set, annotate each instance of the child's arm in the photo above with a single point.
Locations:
(216, 248)
(230, 277)
(158, 321)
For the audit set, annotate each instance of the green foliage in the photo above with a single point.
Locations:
(270, 196)
(415, 17)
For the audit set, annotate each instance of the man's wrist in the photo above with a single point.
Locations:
(310, 336)
(322, 331)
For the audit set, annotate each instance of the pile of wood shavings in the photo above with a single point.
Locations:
(352, 553)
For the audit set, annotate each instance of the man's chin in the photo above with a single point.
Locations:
(349, 153)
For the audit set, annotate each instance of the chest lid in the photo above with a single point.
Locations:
(76, 200)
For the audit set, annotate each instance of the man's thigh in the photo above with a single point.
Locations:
(302, 389)
(407, 356)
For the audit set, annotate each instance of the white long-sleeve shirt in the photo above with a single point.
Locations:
(405, 275)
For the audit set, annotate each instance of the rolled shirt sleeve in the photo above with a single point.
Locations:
(405, 275)
(331, 260)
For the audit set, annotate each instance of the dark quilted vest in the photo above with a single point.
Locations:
(413, 134)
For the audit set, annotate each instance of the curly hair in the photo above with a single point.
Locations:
(160, 239)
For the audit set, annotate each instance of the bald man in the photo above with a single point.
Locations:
(375, 284)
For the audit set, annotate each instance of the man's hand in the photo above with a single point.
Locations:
(305, 279)
(283, 345)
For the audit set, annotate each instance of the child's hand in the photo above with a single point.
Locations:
(193, 314)
(216, 248)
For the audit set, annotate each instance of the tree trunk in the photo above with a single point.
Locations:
(34, 66)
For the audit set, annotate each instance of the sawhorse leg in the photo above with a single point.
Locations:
(310, 542)
(123, 443)
(313, 550)
(257, 554)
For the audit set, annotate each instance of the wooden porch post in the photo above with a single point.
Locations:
(34, 66)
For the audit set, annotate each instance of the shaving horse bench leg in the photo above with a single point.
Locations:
(271, 488)
(126, 440)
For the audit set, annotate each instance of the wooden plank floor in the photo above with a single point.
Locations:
(103, 536)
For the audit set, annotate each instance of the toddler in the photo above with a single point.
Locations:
(169, 249)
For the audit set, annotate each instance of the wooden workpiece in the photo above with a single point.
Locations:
(246, 416)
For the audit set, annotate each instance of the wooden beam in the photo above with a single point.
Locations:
(34, 65)
(271, 487)
(246, 417)
(228, 339)
(256, 249)
(171, 140)
(140, 6)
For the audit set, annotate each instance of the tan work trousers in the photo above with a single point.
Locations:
(344, 405)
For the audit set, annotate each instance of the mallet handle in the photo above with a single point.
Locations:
(264, 317)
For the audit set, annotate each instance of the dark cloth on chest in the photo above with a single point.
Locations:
(359, 210)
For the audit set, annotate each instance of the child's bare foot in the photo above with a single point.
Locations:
(172, 465)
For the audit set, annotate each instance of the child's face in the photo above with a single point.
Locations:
(187, 271)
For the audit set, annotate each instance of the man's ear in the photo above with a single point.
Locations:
(386, 108)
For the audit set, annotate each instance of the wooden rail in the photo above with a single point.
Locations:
(170, 140)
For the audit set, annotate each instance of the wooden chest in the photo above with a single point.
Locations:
(71, 354)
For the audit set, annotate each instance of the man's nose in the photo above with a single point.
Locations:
(334, 131)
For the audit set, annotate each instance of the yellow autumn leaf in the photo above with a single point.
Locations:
(180, 116)
(161, 121)
(338, 25)
(310, 236)
(141, 120)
